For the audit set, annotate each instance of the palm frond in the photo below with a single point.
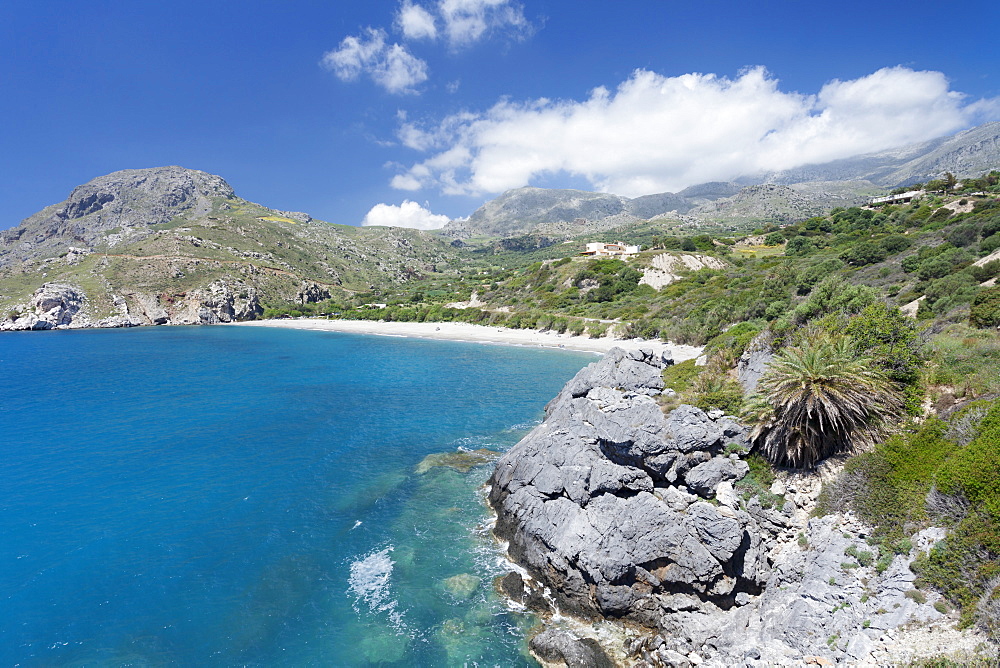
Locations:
(823, 399)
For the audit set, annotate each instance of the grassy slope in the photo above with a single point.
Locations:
(238, 242)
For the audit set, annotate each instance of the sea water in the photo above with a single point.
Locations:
(223, 496)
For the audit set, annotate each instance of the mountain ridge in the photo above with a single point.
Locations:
(804, 191)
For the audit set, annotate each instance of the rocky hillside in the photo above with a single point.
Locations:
(616, 511)
(113, 209)
(967, 153)
(173, 245)
(556, 212)
(778, 197)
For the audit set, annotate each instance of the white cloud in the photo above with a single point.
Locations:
(657, 133)
(392, 67)
(355, 54)
(397, 70)
(467, 21)
(407, 214)
(415, 22)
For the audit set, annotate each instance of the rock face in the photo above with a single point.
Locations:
(668, 267)
(754, 361)
(603, 502)
(559, 647)
(130, 201)
(616, 511)
(52, 306)
(822, 604)
(63, 306)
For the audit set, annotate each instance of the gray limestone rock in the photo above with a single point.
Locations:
(131, 200)
(553, 646)
(704, 478)
(593, 502)
(754, 361)
(53, 306)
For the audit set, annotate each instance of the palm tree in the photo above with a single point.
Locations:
(818, 399)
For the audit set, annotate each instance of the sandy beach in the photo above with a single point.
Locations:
(461, 331)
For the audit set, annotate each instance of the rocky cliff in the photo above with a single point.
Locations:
(618, 508)
(616, 511)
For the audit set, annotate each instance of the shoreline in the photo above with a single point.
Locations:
(462, 331)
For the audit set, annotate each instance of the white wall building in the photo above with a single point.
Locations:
(617, 249)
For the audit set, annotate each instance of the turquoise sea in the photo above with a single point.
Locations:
(229, 496)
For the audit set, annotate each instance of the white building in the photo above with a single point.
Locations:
(901, 198)
(617, 249)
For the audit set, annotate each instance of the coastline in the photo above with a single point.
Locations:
(462, 331)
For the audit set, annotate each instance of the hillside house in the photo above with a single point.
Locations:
(901, 198)
(617, 249)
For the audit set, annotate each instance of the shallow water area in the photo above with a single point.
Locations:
(250, 496)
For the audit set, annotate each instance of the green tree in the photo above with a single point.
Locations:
(818, 399)
(774, 239)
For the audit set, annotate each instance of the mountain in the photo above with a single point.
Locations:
(767, 197)
(178, 245)
(968, 153)
(112, 209)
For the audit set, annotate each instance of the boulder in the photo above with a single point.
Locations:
(704, 478)
(554, 646)
(597, 504)
(754, 362)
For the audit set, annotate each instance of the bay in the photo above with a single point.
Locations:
(250, 496)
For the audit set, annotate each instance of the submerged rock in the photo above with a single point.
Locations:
(462, 586)
(462, 461)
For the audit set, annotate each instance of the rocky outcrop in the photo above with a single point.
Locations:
(53, 306)
(827, 601)
(312, 293)
(615, 511)
(605, 502)
(63, 306)
(754, 362)
(668, 267)
(217, 302)
(129, 201)
(554, 647)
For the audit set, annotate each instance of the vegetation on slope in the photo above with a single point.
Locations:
(839, 279)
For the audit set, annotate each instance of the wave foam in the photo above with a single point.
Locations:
(369, 583)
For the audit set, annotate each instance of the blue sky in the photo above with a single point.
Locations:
(409, 112)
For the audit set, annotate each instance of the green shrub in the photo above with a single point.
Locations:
(966, 359)
(757, 482)
(679, 377)
(723, 393)
(883, 563)
(597, 329)
(985, 308)
(863, 557)
(990, 244)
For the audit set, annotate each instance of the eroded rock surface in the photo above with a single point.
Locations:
(604, 503)
(64, 306)
(617, 512)
(53, 305)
